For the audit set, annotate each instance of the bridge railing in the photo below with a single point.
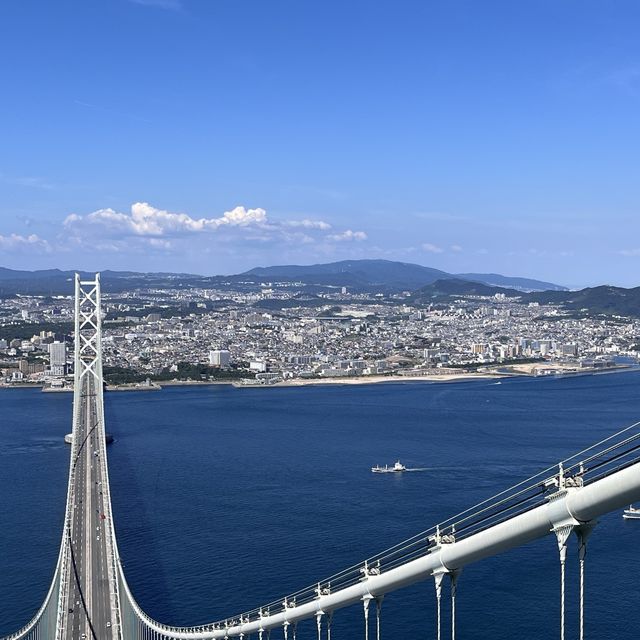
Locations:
(44, 622)
(109, 522)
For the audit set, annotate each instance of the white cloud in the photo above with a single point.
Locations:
(160, 244)
(432, 248)
(146, 220)
(146, 226)
(456, 248)
(629, 252)
(241, 217)
(309, 224)
(16, 242)
(347, 236)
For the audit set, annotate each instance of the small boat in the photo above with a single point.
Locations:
(631, 513)
(398, 467)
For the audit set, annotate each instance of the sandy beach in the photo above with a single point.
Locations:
(375, 380)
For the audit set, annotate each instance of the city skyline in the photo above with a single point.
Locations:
(190, 136)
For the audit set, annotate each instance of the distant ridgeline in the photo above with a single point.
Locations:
(361, 275)
(385, 277)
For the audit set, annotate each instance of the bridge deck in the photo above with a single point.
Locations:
(89, 598)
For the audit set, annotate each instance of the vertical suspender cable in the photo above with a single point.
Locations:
(581, 593)
(583, 533)
(365, 604)
(378, 607)
(562, 535)
(438, 580)
(454, 586)
(563, 558)
(319, 615)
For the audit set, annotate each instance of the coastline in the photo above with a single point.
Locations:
(526, 371)
(191, 383)
(377, 380)
(523, 371)
(132, 387)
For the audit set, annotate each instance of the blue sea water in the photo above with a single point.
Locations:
(228, 498)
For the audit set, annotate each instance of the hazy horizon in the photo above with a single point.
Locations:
(212, 274)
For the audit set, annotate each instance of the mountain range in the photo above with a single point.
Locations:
(605, 299)
(426, 284)
(358, 275)
(389, 275)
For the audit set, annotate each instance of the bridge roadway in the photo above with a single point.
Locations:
(88, 603)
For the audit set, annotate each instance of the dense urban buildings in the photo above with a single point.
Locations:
(280, 333)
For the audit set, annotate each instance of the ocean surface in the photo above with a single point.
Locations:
(226, 498)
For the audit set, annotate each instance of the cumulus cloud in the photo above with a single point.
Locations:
(16, 242)
(146, 220)
(347, 236)
(432, 248)
(161, 230)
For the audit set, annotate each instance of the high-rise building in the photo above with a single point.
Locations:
(219, 358)
(58, 358)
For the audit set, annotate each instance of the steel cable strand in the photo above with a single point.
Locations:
(580, 454)
(619, 455)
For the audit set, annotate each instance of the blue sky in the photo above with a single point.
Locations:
(212, 136)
